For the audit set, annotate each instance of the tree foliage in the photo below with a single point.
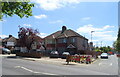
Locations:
(22, 9)
(116, 44)
(103, 49)
(118, 34)
(27, 36)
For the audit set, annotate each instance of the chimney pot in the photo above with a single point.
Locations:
(63, 29)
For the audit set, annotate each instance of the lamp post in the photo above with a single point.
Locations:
(101, 43)
(91, 35)
(91, 43)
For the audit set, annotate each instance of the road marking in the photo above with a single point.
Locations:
(105, 64)
(99, 64)
(34, 71)
(110, 64)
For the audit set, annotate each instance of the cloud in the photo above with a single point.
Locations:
(42, 35)
(28, 25)
(40, 16)
(85, 18)
(57, 21)
(88, 28)
(3, 36)
(54, 4)
(101, 33)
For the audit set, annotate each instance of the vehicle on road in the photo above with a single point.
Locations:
(104, 55)
(5, 51)
(64, 55)
(110, 53)
(54, 54)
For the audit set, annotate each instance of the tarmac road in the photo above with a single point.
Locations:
(19, 66)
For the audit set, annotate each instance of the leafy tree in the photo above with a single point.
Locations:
(103, 49)
(22, 9)
(118, 41)
(118, 34)
(27, 36)
(116, 44)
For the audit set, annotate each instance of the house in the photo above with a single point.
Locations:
(34, 43)
(66, 40)
(38, 44)
(9, 42)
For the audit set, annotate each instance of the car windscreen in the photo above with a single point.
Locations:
(6, 49)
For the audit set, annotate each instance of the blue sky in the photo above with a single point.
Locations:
(83, 17)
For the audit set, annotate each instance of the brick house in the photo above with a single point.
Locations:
(36, 45)
(9, 42)
(66, 40)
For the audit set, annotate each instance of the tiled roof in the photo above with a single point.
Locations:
(8, 38)
(53, 35)
(66, 33)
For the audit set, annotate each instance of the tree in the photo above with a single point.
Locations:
(118, 34)
(116, 44)
(27, 36)
(22, 9)
(118, 41)
(103, 49)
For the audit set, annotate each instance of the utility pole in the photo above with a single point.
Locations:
(91, 43)
(96, 44)
(91, 35)
(101, 43)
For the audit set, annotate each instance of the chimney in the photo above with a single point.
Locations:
(63, 29)
(10, 36)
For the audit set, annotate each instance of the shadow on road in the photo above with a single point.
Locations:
(16, 57)
(68, 64)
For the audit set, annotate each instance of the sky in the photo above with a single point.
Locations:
(83, 17)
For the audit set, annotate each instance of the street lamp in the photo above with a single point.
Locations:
(91, 35)
(91, 43)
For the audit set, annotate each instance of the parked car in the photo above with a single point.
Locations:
(104, 55)
(110, 53)
(64, 55)
(54, 54)
(5, 51)
(118, 55)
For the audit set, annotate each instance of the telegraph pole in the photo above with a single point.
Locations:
(91, 35)
(101, 43)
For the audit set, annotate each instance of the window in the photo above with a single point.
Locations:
(73, 40)
(64, 40)
(51, 41)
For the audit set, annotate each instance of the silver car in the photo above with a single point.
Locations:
(5, 51)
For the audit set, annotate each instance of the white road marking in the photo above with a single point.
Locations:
(110, 64)
(33, 71)
(105, 64)
(99, 64)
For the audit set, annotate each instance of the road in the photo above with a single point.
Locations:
(19, 66)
